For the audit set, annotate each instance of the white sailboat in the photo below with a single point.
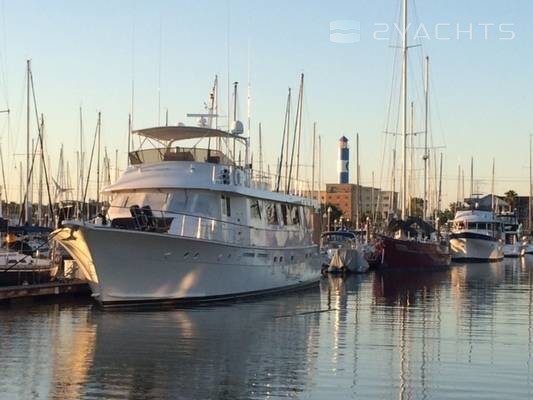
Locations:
(193, 224)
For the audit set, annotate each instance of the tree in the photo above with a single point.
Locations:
(335, 212)
(446, 215)
(511, 197)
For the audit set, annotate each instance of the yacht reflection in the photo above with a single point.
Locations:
(408, 287)
(237, 351)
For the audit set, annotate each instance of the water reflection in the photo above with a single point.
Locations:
(466, 331)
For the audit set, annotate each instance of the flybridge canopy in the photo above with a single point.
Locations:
(173, 133)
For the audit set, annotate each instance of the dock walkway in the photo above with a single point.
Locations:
(71, 287)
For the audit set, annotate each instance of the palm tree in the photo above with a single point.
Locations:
(511, 198)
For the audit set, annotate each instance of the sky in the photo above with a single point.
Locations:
(88, 54)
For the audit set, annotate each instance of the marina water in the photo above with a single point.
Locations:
(459, 332)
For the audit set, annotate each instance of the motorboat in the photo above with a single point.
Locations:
(476, 235)
(192, 223)
(343, 251)
(514, 242)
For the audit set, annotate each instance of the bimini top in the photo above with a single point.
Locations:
(173, 133)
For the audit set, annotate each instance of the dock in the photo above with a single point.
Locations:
(50, 289)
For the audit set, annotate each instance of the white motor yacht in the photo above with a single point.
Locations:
(193, 224)
(476, 235)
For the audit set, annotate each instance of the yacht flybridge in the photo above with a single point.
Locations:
(190, 223)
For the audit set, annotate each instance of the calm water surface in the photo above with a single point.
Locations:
(463, 332)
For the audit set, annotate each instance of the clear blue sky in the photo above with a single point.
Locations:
(86, 53)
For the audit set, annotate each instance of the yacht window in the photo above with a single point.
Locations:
(459, 225)
(308, 215)
(203, 203)
(271, 213)
(482, 226)
(120, 200)
(284, 213)
(226, 206)
(294, 215)
(255, 209)
(179, 200)
(156, 201)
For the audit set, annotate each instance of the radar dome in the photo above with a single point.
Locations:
(237, 128)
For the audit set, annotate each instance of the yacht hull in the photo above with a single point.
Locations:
(128, 268)
(470, 248)
(399, 253)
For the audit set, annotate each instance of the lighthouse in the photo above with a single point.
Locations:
(344, 160)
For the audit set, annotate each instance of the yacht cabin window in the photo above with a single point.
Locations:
(226, 205)
(271, 213)
(255, 209)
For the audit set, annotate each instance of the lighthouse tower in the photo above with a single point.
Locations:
(344, 160)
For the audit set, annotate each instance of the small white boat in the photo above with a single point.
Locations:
(344, 253)
(20, 269)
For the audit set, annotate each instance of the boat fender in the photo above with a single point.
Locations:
(236, 178)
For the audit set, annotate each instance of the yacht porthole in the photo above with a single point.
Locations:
(292, 257)
(186, 254)
(275, 259)
(280, 258)
(196, 255)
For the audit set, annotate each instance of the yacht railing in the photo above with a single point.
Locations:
(212, 229)
(177, 153)
(251, 178)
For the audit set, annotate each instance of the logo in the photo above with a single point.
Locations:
(344, 31)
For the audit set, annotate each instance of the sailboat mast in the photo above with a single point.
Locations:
(426, 154)
(300, 112)
(411, 184)
(319, 156)
(26, 203)
(81, 170)
(40, 206)
(288, 124)
(404, 112)
(393, 183)
(492, 187)
(471, 178)
(98, 161)
(439, 197)
(357, 202)
(260, 154)
(313, 162)
(530, 181)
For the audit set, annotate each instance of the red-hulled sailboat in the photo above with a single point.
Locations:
(412, 243)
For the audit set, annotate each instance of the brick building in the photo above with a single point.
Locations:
(344, 196)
